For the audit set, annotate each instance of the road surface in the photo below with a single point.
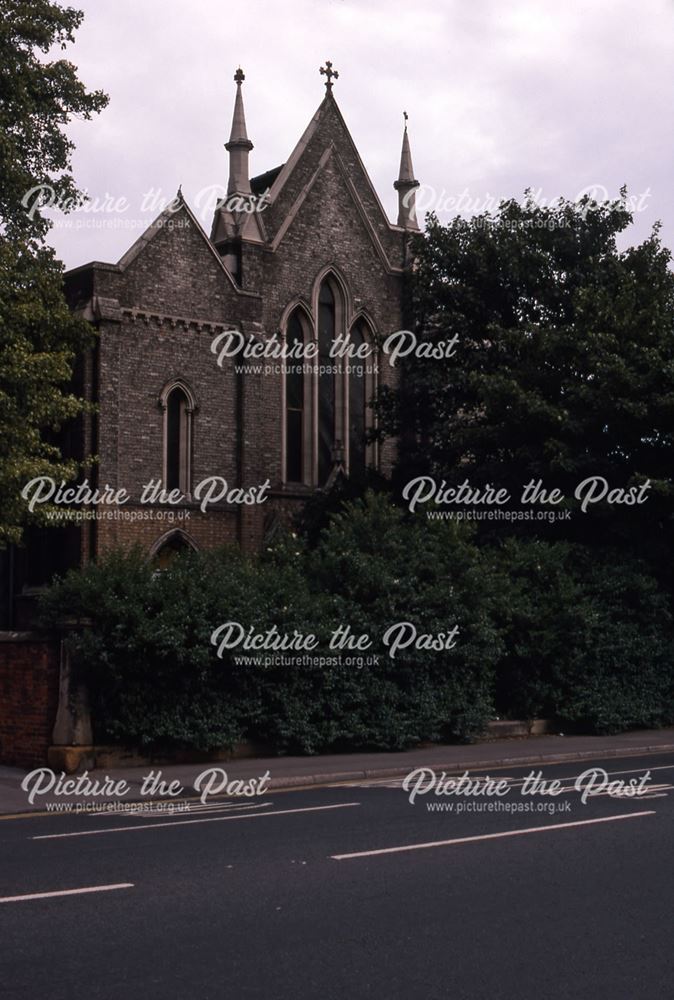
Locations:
(352, 892)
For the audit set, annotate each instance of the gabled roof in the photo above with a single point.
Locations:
(370, 210)
(177, 205)
(327, 106)
(259, 184)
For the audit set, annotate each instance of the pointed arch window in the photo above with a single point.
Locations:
(178, 405)
(326, 406)
(296, 405)
(327, 401)
(167, 548)
(358, 400)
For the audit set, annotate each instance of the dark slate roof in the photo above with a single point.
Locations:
(260, 183)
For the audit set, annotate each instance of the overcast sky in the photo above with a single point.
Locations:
(501, 94)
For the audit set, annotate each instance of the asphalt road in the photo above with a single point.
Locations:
(298, 895)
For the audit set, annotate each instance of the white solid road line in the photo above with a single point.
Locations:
(489, 836)
(65, 892)
(187, 822)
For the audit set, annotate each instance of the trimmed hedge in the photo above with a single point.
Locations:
(588, 635)
(542, 629)
(154, 676)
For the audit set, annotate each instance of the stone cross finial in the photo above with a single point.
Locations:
(329, 72)
(239, 77)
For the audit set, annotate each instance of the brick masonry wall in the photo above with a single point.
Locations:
(29, 681)
(172, 296)
(148, 524)
(138, 360)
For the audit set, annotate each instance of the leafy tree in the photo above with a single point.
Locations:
(38, 97)
(564, 364)
(39, 338)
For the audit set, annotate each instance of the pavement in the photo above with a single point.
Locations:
(555, 891)
(289, 772)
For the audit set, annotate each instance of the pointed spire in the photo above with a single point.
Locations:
(406, 168)
(239, 117)
(239, 145)
(406, 185)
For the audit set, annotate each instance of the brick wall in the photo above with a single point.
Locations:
(169, 296)
(207, 530)
(29, 681)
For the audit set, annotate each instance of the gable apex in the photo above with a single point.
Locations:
(163, 222)
(327, 109)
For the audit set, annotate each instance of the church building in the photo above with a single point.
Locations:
(301, 254)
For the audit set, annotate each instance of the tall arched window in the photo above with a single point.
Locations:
(295, 404)
(326, 381)
(178, 407)
(326, 413)
(358, 400)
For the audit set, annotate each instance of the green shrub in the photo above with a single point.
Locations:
(383, 567)
(147, 657)
(154, 676)
(588, 637)
(548, 629)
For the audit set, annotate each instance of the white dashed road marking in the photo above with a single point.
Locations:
(488, 836)
(65, 892)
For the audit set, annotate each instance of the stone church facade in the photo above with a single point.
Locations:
(303, 253)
